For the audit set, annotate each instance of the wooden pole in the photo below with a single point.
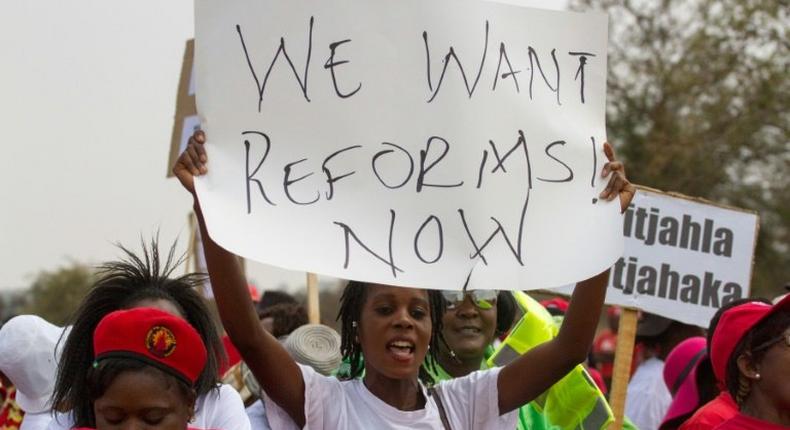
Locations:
(624, 352)
(313, 310)
(190, 265)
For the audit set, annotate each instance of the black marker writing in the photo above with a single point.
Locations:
(451, 54)
(332, 179)
(388, 151)
(288, 182)
(331, 64)
(302, 80)
(580, 71)
(389, 261)
(511, 73)
(440, 234)
(533, 60)
(570, 172)
(425, 168)
(249, 176)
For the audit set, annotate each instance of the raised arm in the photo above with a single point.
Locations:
(271, 364)
(541, 367)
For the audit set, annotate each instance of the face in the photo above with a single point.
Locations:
(468, 329)
(395, 330)
(142, 399)
(163, 305)
(775, 371)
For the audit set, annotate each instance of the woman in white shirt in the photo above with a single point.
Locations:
(393, 328)
(147, 280)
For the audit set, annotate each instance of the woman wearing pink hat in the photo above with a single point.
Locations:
(750, 352)
(689, 378)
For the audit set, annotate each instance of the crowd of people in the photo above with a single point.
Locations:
(144, 352)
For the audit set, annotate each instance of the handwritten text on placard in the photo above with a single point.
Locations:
(430, 144)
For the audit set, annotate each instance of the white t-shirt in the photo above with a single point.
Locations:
(648, 398)
(218, 409)
(257, 414)
(471, 402)
(37, 421)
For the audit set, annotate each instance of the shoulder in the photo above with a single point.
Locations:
(60, 421)
(221, 409)
(472, 401)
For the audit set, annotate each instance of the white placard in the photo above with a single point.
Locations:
(425, 144)
(190, 125)
(683, 258)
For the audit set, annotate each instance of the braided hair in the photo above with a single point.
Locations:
(121, 285)
(763, 333)
(351, 303)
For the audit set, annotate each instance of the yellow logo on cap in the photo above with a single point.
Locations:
(160, 341)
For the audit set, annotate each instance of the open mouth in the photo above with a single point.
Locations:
(401, 350)
(469, 330)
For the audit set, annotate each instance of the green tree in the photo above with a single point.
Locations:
(698, 103)
(55, 295)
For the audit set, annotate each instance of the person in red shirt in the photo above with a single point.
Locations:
(605, 344)
(750, 352)
(722, 407)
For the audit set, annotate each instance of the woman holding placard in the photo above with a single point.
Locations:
(393, 328)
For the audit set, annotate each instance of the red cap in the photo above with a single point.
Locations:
(255, 295)
(733, 325)
(153, 336)
(555, 303)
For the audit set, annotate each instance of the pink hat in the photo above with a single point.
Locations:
(733, 325)
(680, 375)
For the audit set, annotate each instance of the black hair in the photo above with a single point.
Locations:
(714, 322)
(505, 312)
(351, 303)
(121, 284)
(100, 376)
(707, 389)
(662, 344)
(286, 317)
(272, 298)
(763, 333)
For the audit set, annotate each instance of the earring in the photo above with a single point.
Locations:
(354, 324)
(757, 376)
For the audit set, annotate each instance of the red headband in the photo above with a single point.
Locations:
(153, 336)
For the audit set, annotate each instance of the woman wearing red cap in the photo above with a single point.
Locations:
(146, 364)
(750, 352)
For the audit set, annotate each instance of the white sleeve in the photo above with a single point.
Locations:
(472, 402)
(317, 390)
(61, 421)
(38, 421)
(222, 409)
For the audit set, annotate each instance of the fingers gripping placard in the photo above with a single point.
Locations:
(427, 144)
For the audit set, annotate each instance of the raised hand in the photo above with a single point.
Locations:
(618, 183)
(192, 162)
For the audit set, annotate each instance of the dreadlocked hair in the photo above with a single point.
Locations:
(351, 303)
(121, 285)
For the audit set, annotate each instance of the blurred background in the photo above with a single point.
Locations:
(697, 103)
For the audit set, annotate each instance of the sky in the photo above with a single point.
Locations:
(87, 98)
